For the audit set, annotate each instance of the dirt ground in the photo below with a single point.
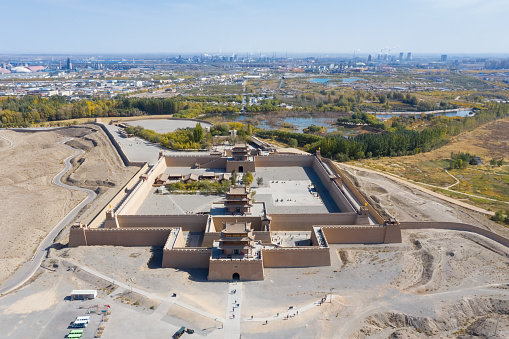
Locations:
(483, 181)
(409, 204)
(33, 203)
(436, 284)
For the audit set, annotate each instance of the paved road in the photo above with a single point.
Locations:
(233, 311)
(9, 141)
(26, 271)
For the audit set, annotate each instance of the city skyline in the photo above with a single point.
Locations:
(157, 27)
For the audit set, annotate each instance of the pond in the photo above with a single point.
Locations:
(299, 123)
(319, 80)
(389, 115)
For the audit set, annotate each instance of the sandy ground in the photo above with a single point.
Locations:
(31, 205)
(409, 204)
(438, 284)
(100, 168)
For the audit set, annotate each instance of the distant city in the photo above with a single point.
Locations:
(79, 77)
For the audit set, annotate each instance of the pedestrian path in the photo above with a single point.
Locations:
(233, 311)
(291, 311)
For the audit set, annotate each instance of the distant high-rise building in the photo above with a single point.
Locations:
(370, 58)
(401, 56)
(409, 56)
(443, 58)
(69, 64)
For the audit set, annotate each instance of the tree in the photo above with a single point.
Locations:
(247, 178)
(198, 133)
(234, 177)
(383, 99)
(293, 142)
(259, 181)
(499, 216)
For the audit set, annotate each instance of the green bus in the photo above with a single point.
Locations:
(76, 332)
(75, 336)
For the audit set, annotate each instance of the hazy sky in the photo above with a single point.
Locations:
(180, 26)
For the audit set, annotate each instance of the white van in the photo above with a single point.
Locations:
(85, 318)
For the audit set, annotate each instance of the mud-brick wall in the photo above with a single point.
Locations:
(304, 222)
(354, 191)
(191, 160)
(262, 236)
(331, 187)
(188, 223)
(256, 222)
(121, 195)
(354, 234)
(118, 237)
(362, 234)
(140, 192)
(224, 269)
(187, 258)
(209, 238)
(296, 257)
(284, 161)
(247, 166)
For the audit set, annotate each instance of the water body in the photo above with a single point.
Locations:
(463, 114)
(324, 81)
(299, 123)
(319, 80)
(348, 80)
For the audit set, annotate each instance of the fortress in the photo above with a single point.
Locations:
(305, 204)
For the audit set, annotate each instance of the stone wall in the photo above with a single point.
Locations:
(296, 257)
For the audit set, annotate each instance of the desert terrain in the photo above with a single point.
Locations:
(32, 205)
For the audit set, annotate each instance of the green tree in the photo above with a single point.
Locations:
(499, 216)
(234, 177)
(247, 178)
(259, 181)
(198, 133)
(293, 142)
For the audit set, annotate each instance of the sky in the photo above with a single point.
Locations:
(255, 26)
